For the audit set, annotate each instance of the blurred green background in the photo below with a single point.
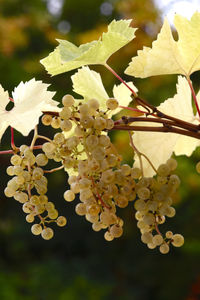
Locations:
(78, 263)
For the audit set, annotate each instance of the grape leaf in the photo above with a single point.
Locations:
(168, 56)
(88, 84)
(30, 100)
(158, 146)
(67, 56)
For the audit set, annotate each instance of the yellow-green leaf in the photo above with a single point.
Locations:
(168, 56)
(67, 56)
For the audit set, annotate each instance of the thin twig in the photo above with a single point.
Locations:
(118, 77)
(193, 95)
(53, 170)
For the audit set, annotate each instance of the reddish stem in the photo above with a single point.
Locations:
(156, 228)
(133, 109)
(194, 96)
(118, 77)
(12, 139)
(99, 196)
(17, 149)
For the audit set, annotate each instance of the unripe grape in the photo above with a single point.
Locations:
(30, 218)
(108, 236)
(172, 164)
(169, 234)
(138, 216)
(99, 123)
(55, 123)
(164, 248)
(78, 131)
(174, 181)
(146, 238)
(93, 209)
(43, 199)
(112, 103)
(140, 204)
(27, 208)
(87, 121)
(177, 240)
(157, 239)
(59, 138)
(41, 159)
(136, 173)
(72, 142)
(49, 147)
(163, 170)
(66, 125)
(53, 214)
(75, 187)
(121, 201)
(10, 170)
(17, 170)
(36, 229)
(104, 140)
(116, 230)
(21, 197)
(85, 183)
(171, 212)
(93, 104)
(39, 209)
(19, 179)
(49, 206)
(143, 193)
(9, 192)
(61, 221)
(151, 246)
(16, 160)
(37, 173)
(69, 196)
(84, 109)
(91, 218)
(112, 160)
(80, 209)
(46, 120)
(126, 170)
(47, 233)
(149, 219)
(108, 176)
(68, 100)
(96, 226)
(109, 124)
(65, 113)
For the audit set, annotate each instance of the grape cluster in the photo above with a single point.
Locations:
(96, 173)
(29, 186)
(154, 204)
(103, 184)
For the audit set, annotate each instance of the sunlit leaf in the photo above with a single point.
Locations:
(168, 56)
(157, 146)
(30, 100)
(67, 56)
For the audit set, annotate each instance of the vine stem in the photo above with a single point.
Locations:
(141, 154)
(137, 152)
(98, 195)
(118, 77)
(17, 149)
(157, 129)
(156, 228)
(133, 109)
(53, 170)
(193, 95)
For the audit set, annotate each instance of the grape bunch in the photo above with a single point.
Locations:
(96, 173)
(154, 204)
(29, 187)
